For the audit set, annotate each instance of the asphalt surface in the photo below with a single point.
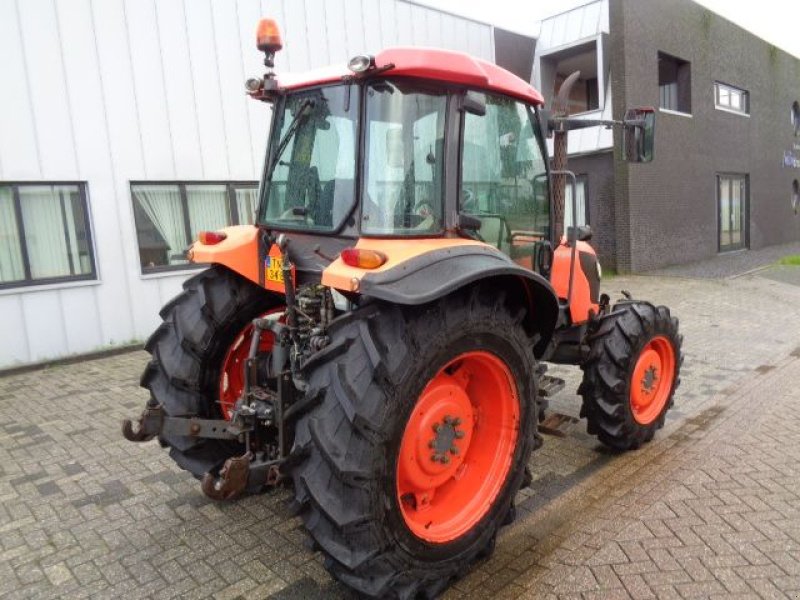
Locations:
(711, 508)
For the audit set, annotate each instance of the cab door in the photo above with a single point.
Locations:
(504, 177)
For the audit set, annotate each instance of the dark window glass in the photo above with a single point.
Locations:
(170, 215)
(732, 196)
(504, 178)
(44, 234)
(404, 160)
(674, 83)
(311, 175)
(796, 117)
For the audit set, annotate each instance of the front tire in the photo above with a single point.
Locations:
(361, 453)
(631, 374)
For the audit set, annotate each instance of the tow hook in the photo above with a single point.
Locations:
(232, 479)
(148, 425)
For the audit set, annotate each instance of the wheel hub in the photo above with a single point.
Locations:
(649, 380)
(443, 442)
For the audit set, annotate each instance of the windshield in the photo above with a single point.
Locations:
(310, 174)
(404, 160)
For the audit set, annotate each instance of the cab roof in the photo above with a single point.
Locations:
(428, 63)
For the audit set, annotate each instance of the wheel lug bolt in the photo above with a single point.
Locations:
(436, 428)
(456, 422)
(459, 435)
(453, 449)
(445, 459)
(432, 444)
(448, 419)
(434, 458)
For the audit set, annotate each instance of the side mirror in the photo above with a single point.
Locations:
(474, 104)
(394, 148)
(639, 134)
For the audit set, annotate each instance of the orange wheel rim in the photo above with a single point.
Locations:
(651, 382)
(458, 447)
(231, 376)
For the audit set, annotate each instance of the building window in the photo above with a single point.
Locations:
(581, 203)
(674, 83)
(732, 197)
(796, 117)
(44, 234)
(557, 66)
(796, 196)
(169, 216)
(727, 97)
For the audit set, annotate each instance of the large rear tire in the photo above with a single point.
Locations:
(441, 395)
(631, 375)
(189, 349)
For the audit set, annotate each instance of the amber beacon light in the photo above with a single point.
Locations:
(268, 36)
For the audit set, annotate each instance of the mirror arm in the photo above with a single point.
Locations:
(567, 124)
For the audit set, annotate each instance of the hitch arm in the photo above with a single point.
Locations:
(153, 422)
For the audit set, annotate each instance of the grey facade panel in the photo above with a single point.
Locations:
(514, 52)
(667, 211)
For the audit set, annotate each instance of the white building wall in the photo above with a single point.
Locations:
(110, 91)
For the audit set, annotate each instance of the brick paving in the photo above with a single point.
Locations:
(730, 264)
(711, 508)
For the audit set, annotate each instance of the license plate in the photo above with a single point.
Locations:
(275, 269)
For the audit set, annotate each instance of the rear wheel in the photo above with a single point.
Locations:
(409, 464)
(197, 354)
(631, 375)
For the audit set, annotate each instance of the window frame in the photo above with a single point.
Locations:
(679, 62)
(230, 192)
(28, 281)
(582, 178)
(744, 244)
(449, 93)
(276, 123)
(745, 94)
(535, 117)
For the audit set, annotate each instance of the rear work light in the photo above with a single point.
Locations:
(362, 258)
(209, 238)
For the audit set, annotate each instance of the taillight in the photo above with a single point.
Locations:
(362, 258)
(209, 238)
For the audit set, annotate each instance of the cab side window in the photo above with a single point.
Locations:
(503, 177)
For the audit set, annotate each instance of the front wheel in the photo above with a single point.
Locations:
(409, 464)
(631, 375)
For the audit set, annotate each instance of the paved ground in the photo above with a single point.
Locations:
(710, 508)
(730, 264)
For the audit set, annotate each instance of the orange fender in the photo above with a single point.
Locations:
(238, 251)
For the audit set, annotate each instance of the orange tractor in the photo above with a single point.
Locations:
(377, 337)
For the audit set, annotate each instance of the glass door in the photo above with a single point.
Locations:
(732, 195)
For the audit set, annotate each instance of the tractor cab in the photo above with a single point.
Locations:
(390, 152)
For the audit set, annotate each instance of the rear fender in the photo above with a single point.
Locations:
(442, 271)
(238, 251)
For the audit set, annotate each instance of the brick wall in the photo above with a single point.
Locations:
(599, 172)
(666, 211)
